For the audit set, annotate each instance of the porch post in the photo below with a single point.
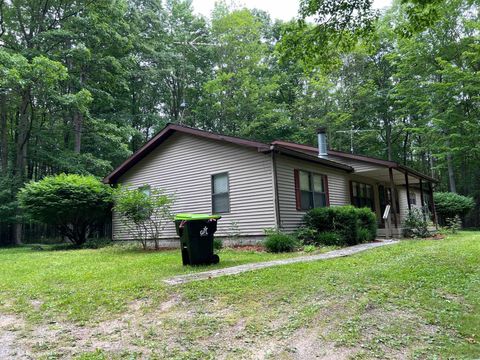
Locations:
(422, 198)
(407, 185)
(394, 198)
(432, 203)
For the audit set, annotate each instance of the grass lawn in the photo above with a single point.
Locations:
(85, 285)
(416, 299)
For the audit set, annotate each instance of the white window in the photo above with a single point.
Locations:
(312, 191)
(220, 194)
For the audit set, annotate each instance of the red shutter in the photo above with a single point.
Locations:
(296, 177)
(327, 193)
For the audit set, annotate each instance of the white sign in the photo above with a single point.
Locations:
(386, 212)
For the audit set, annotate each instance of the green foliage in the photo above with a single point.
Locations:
(309, 248)
(73, 203)
(330, 238)
(415, 224)
(364, 235)
(350, 225)
(145, 212)
(97, 243)
(306, 235)
(368, 224)
(217, 244)
(277, 242)
(454, 224)
(450, 205)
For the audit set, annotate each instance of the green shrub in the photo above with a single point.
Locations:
(73, 203)
(306, 235)
(97, 243)
(217, 244)
(144, 213)
(277, 242)
(368, 222)
(330, 238)
(415, 225)
(449, 205)
(364, 235)
(309, 248)
(345, 222)
(320, 219)
(454, 224)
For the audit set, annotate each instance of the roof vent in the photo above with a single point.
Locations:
(322, 142)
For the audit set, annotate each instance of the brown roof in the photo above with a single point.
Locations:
(291, 149)
(372, 160)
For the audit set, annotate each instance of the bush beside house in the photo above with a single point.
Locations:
(449, 205)
(145, 213)
(342, 225)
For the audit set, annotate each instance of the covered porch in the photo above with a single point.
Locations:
(402, 188)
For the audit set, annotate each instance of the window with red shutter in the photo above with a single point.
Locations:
(311, 190)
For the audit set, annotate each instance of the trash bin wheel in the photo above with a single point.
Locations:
(215, 259)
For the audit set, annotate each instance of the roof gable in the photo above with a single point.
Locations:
(164, 134)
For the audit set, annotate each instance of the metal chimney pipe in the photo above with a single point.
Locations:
(322, 142)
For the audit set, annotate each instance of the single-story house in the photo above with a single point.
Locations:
(255, 186)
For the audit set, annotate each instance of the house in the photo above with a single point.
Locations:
(255, 186)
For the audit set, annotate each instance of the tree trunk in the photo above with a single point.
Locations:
(451, 174)
(23, 134)
(17, 233)
(78, 125)
(3, 135)
(388, 138)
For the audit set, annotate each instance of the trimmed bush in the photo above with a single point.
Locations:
(364, 235)
(368, 221)
(449, 205)
(75, 204)
(345, 224)
(277, 242)
(329, 238)
(343, 221)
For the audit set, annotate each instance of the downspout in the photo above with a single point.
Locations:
(275, 187)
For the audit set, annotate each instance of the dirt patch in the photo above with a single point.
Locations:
(255, 248)
(10, 327)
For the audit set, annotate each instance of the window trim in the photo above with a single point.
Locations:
(212, 194)
(372, 198)
(298, 191)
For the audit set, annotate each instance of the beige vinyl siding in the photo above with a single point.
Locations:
(183, 166)
(403, 204)
(290, 217)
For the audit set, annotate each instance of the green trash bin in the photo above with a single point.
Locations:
(196, 238)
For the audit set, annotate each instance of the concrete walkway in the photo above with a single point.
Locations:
(182, 279)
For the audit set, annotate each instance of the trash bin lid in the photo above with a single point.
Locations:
(188, 216)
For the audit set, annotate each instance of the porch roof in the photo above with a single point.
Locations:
(379, 170)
